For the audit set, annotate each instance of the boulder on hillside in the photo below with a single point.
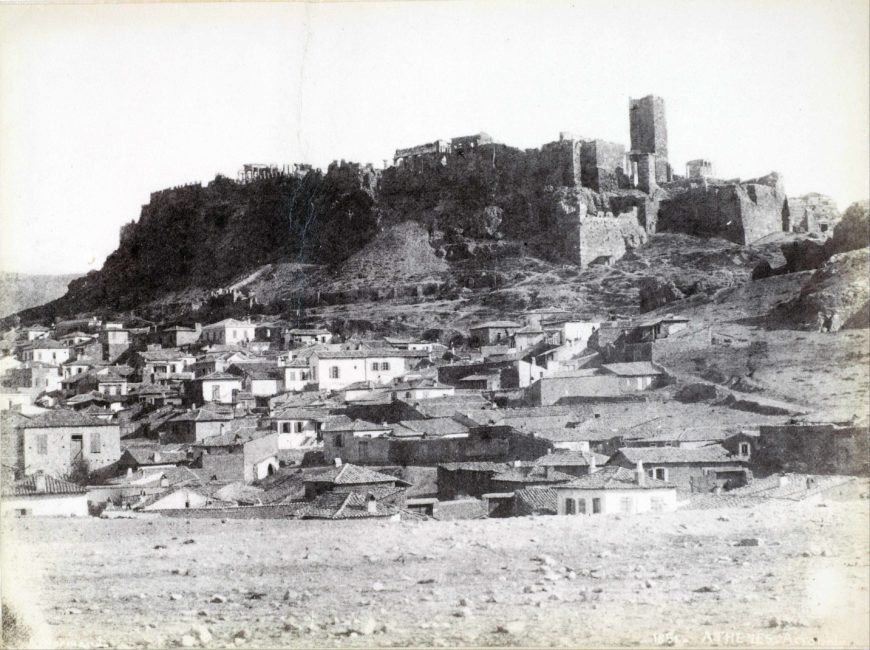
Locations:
(656, 291)
(853, 231)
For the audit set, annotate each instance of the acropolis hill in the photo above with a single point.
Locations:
(576, 200)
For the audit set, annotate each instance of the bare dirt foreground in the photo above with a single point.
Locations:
(671, 579)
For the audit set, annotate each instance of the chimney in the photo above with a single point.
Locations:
(371, 504)
(39, 482)
(548, 472)
(593, 464)
(338, 462)
(783, 480)
(641, 474)
(129, 472)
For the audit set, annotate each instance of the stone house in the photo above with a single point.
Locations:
(347, 478)
(55, 441)
(259, 379)
(46, 351)
(298, 337)
(814, 448)
(179, 336)
(355, 441)
(494, 332)
(195, 425)
(218, 388)
(156, 365)
(297, 375)
(228, 332)
(299, 428)
(701, 469)
(615, 490)
(33, 332)
(573, 463)
(42, 495)
(335, 369)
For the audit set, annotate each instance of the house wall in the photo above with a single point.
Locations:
(48, 505)
(226, 386)
(641, 500)
(297, 379)
(58, 461)
(181, 498)
(491, 335)
(351, 371)
(54, 356)
(686, 478)
(259, 454)
(228, 335)
(549, 390)
(266, 387)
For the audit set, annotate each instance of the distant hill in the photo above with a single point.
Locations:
(21, 291)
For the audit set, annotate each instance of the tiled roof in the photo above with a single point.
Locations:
(46, 344)
(349, 475)
(27, 487)
(382, 353)
(706, 454)
(298, 362)
(435, 426)
(495, 324)
(346, 505)
(570, 458)
(163, 355)
(229, 322)
(204, 415)
(308, 332)
(64, 418)
(537, 499)
(346, 424)
(219, 376)
(633, 369)
(614, 478)
(300, 413)
(531, 475)
(474, 466)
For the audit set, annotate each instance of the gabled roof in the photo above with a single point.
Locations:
(350, 475)
(346, 424)
(614, 478)
(219, 376)
(633, 369)
(308, 332)
(300, 413)
(379, 353)
(531, 475)
(27, 487)
(348, 505)
(495, 324)
(537, 498)
(64, 418)
(474, 466)
(229, 322)
(444, 426)
(706, 454)
(571, 458)
(204, 415)
(46, 344)
(164, 355)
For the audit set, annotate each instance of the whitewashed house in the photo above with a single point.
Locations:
(228, 332)
(219, 387)
(334, 370)
(41, 495)
(615, 490)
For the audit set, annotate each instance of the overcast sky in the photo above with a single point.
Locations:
(102, 104)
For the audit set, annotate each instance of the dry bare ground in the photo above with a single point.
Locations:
(650, 580)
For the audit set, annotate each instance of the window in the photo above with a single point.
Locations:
(297, 427)
(215, 393)
(659, 473)
(285, 427)
(338, 440)
(235, 334)
(95, 443)
(596, 506)
(743, 449)
(385, 365)
(626, 505)
(569, 506)
(291, 375)
(656, 504)
(374, 366)
(42, 443)
(581, 506)
(363, 449)
(333, 372)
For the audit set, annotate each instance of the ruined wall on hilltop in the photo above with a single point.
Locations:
(740, 212)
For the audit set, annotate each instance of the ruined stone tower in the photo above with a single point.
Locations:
(649, 133)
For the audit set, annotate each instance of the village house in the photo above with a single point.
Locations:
(273, 333)
(355, 441)
(217, 362)
(57, 441)
(195, 425)
(493, 332)
(242, 453)
(345, 477)
(218, 387)
(610, 380)
(370, 503)
(260, 379)
(573, 463)
(115, 341)
(45, 351)
(814, 447)
(74, 338)
(33, 332)
(615, 490)
(297, 375)
(298, 337)
(76, 367)
(42, 495)
(701, 469)
(228, 332)
(335, 369)
(421, 389)
(179, 336)
(299, 428)
(156, 365)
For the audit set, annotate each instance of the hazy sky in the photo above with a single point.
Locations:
(102, 104)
